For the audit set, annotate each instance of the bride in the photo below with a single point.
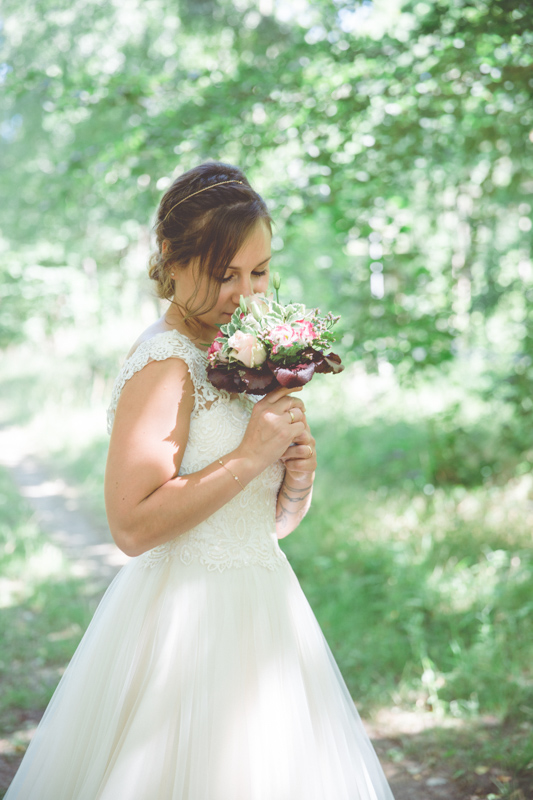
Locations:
(204, 674)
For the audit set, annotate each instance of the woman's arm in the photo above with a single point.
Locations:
(147, 503)
(294, 501)
(294, 498)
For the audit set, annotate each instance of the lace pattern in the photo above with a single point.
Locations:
(242, 532)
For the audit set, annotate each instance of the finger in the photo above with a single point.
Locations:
(285, 404)
(301, 452)
(294, 402)
(297, 428)
(301, 465)
(295, 414)
(277, 394)
(305, 437)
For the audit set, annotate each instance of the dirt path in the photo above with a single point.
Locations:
(90, 547)
(57, 510)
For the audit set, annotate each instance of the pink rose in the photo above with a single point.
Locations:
(247, 349)
(215, 347)
(282, 336)
(306, 331)
(214, 354)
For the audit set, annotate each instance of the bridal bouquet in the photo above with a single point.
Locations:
(267, 345)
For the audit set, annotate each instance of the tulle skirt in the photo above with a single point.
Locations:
(198, 685)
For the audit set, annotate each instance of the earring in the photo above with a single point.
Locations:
(171, 274)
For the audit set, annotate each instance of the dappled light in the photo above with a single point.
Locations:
(393, 143)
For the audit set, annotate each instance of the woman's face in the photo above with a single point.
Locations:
(247, 274)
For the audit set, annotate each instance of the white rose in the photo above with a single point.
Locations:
(246, 349)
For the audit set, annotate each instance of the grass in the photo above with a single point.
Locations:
(422, 598)
(45, 610)
(426, 599)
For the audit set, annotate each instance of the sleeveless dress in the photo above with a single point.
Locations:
(204, 674)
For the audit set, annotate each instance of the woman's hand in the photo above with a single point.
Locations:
(276, 422)
(300, 459)
(294, 497)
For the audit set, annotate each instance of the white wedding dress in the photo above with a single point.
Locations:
(204, 674)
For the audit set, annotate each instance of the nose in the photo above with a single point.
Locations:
(244, 287)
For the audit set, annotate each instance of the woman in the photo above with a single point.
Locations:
(204, 674)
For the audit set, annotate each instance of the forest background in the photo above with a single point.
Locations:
(393, 143)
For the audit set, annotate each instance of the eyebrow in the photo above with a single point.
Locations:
(232, 266)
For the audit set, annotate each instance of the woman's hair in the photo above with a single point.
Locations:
(199, 219)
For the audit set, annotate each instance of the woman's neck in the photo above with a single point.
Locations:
(200, 337)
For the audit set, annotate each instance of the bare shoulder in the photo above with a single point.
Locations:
(155, 394)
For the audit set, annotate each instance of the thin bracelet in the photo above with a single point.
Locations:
(235, 478)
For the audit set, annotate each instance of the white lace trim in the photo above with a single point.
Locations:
(217, 554)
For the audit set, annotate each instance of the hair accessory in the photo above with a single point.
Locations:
(212, 186)
(235, 478)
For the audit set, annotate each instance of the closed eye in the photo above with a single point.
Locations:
(257, 273)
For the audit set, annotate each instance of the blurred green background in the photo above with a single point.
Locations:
(393, 142)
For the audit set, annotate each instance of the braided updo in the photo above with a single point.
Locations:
(197, 219)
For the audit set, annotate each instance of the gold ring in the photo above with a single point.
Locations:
(310, 451)
(291, 415)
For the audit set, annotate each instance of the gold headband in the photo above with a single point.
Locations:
(198, 192)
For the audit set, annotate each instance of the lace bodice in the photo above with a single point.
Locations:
(242, 532)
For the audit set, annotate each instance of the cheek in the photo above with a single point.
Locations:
(224, 295)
